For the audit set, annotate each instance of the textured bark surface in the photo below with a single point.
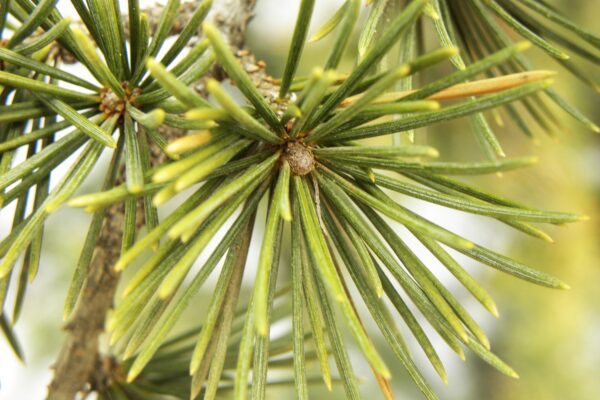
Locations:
(80, 352)
(77, 364)
(232, 18)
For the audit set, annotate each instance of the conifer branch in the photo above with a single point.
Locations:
(290, 142)
(79, 356)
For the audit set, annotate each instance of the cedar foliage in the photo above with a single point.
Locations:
(294, 144)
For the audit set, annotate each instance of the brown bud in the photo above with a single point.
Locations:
(300, 158)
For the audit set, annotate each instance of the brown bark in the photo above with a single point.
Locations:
(79, 358)
(80, 351)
